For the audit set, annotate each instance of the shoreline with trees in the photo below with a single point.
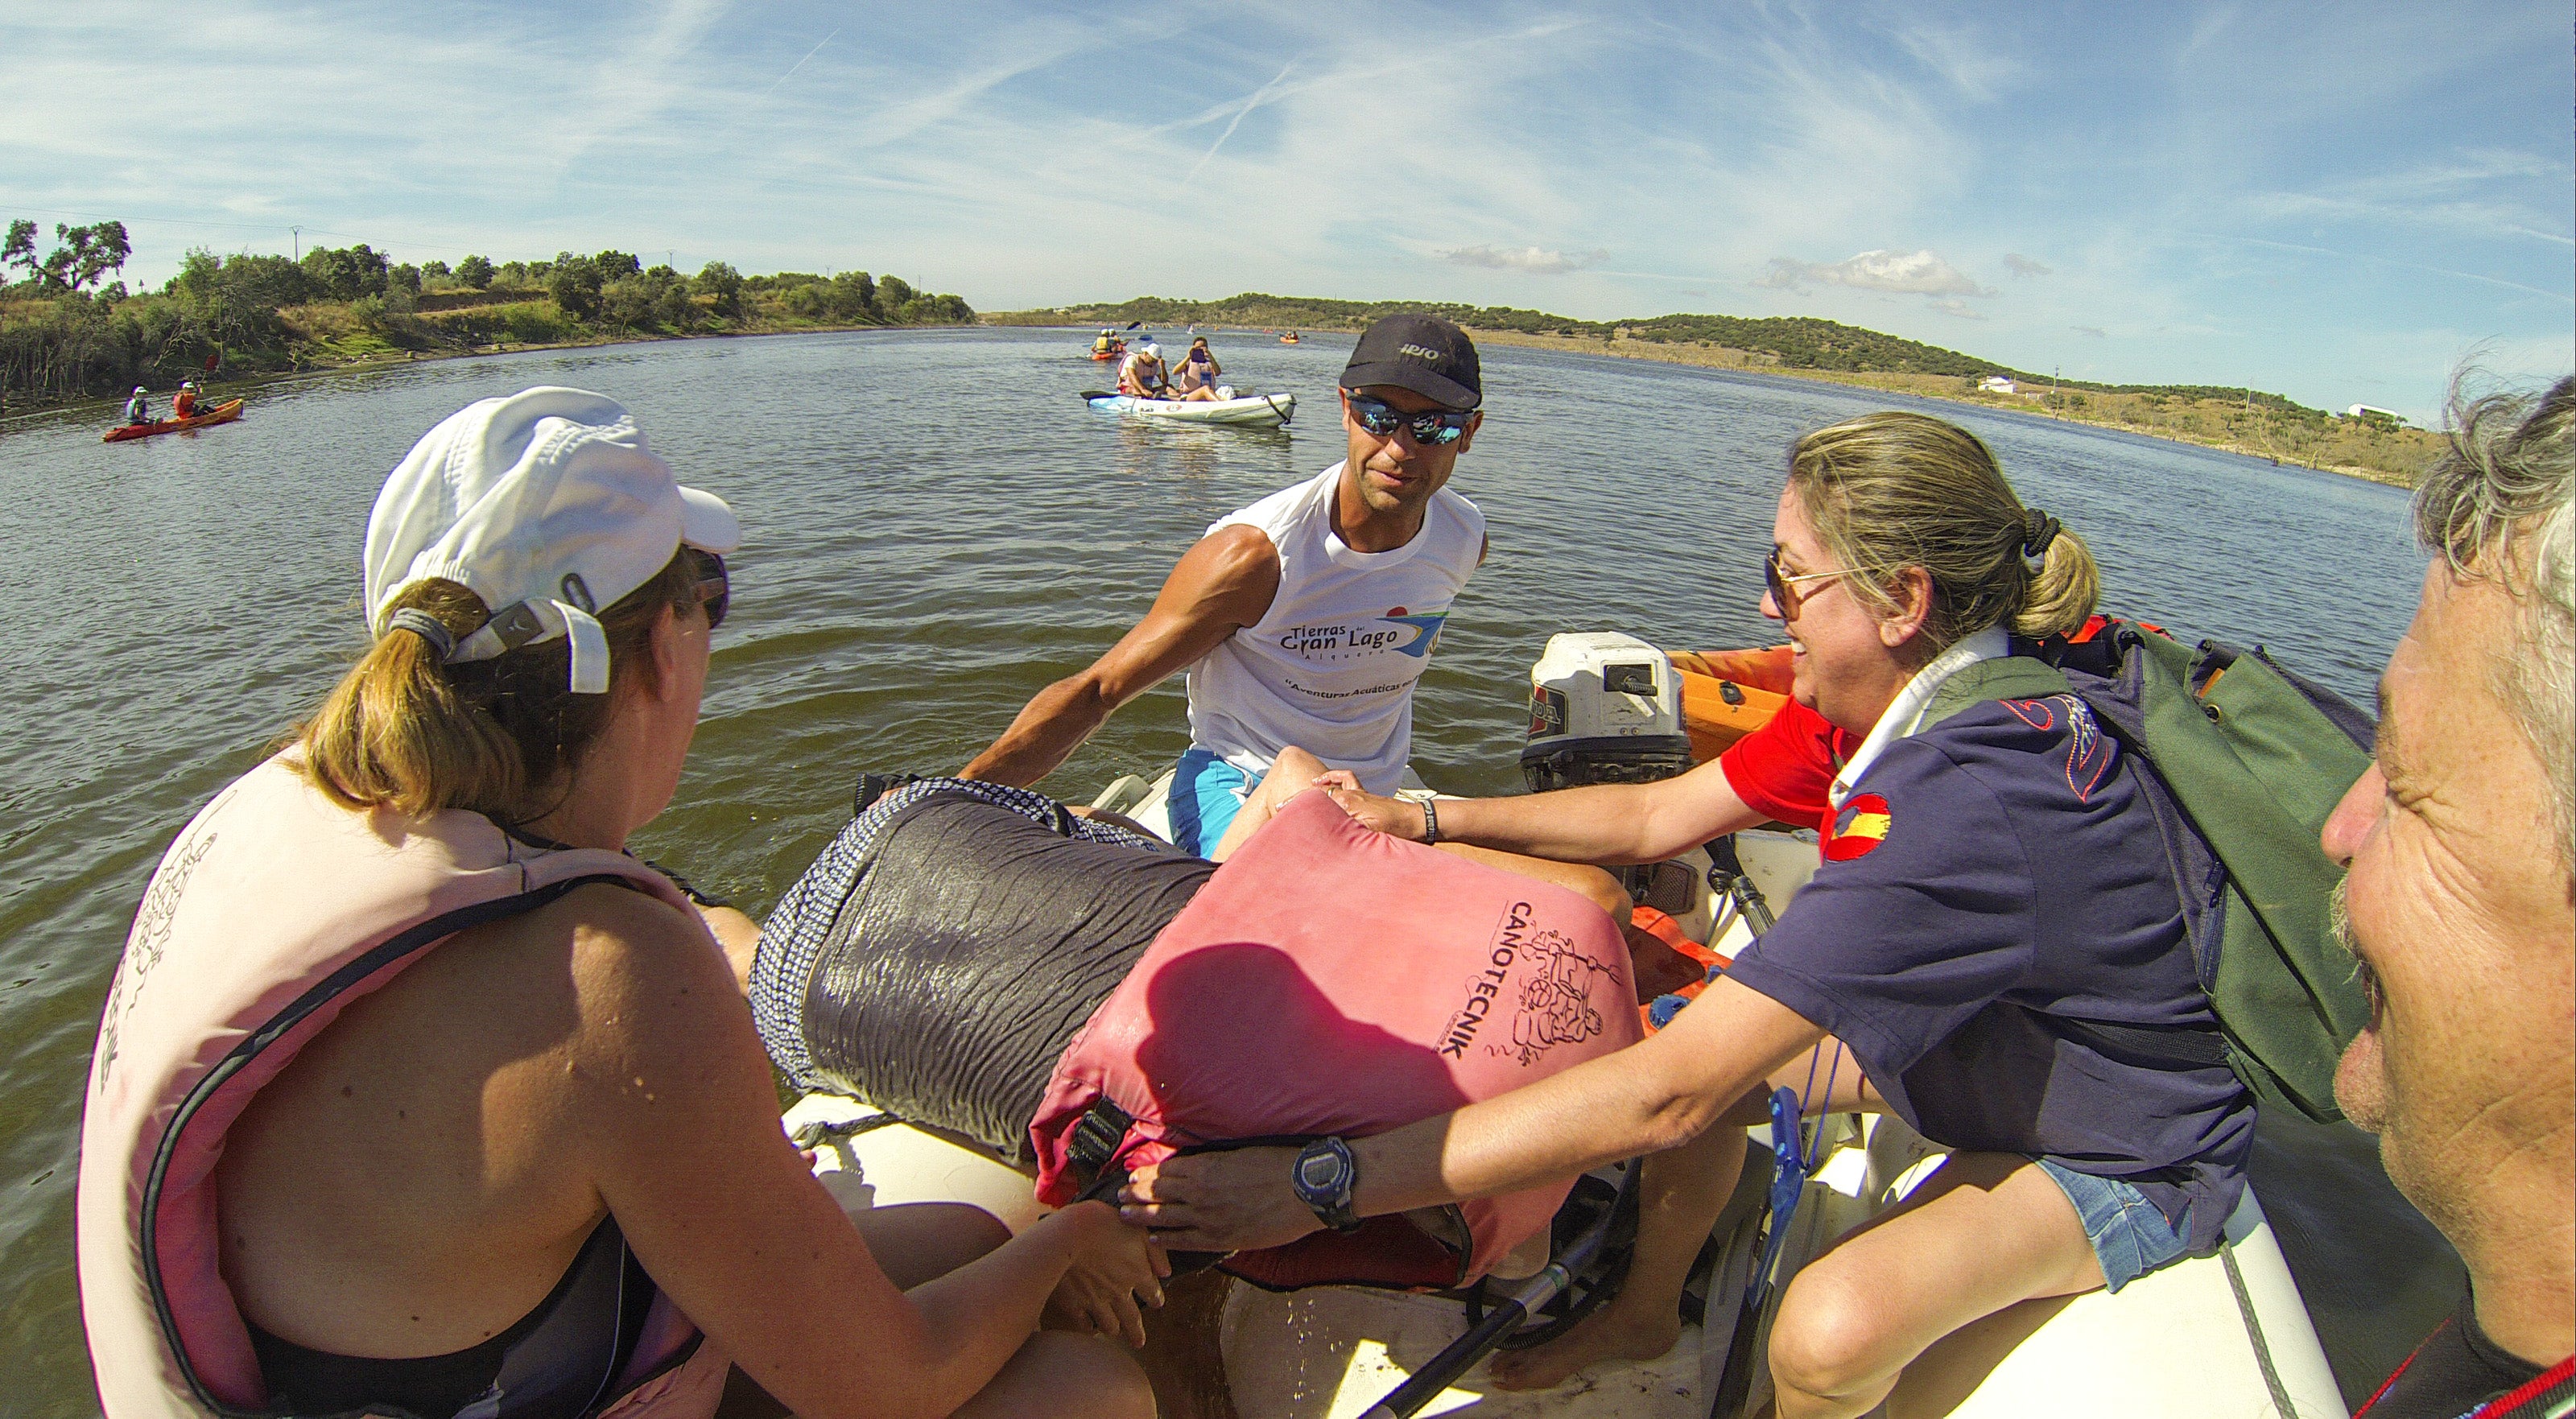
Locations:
(69, 336)
(2374, 447)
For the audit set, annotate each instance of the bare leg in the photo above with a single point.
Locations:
(1054, 1373)
(1292, 773)
(1682, 1193)
(1986, 1232)
(1684, 1190)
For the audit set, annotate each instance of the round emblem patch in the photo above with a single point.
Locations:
(1859, 827)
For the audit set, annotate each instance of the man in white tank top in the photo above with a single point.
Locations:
(1305, 618)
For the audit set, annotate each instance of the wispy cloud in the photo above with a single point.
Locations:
(1536, 260)
(2358, 219)
(2486, 193)
(1904, 272)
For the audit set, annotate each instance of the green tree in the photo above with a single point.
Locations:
(86, 255)
(346, 273)
(476, 272)
(614, 265)
(435, 270)
(892, 294)
(20, 248)
(574, 282)
(724, 284)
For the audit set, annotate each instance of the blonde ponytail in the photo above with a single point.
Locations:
(407, 731)
(2062, 596)
(1889, 491)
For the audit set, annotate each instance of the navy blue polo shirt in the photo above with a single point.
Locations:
(1987, 877)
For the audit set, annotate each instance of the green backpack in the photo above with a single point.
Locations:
(2246, 761)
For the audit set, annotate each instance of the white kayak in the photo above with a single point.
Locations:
(1260, 411)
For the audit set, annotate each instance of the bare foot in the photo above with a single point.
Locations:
(1610, 1334)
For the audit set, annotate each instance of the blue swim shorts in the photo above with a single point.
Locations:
(1206, 794)
(2130, 1235)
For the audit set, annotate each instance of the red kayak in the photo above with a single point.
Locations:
(223, 413)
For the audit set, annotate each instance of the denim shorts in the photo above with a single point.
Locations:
(2130, 1235)
(1205, 796)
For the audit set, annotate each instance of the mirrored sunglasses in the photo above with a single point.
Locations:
(1432, 428)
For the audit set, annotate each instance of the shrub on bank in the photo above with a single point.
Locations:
(246, 314)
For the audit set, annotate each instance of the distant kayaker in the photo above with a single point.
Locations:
(2458, 896)
(493, 1127)
(184, 403)
(1306, 617)
(138, 407)
(1106, 344)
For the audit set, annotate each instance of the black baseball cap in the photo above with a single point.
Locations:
(1423, 353)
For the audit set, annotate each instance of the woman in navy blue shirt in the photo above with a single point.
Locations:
(1991, 887)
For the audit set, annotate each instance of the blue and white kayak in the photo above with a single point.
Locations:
(1260, 411)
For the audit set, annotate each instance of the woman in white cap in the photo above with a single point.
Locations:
(416, 1094)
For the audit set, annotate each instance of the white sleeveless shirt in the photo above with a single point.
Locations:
(1330, 667)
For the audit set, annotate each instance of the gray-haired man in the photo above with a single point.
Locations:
(2462, 904)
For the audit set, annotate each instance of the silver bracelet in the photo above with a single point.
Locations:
(1430, 824)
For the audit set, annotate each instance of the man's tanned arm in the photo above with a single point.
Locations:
(1221, 585)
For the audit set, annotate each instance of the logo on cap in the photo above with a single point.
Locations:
(1419, 352)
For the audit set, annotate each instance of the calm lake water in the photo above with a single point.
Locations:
(936, 528)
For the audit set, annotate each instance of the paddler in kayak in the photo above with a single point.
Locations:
(1106, 344)
(184, 403)
(1306, 617)
(1196, 378)
(1144, 376)
(138, 407)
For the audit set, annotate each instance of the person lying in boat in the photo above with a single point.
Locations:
(1307, 617)
(415, 1093)
(1994, 895)
(2463, 917)
(138, 407)
(941, 957)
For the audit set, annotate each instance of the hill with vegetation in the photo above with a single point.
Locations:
(67, 333)
(2247, 421)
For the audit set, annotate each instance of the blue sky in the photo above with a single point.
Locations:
(2337, 202)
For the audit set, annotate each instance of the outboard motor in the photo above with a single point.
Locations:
(1605, 707)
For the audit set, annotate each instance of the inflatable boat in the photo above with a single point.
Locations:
(2226, 1334)
(1260, 411)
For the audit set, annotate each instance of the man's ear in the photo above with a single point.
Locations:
(1912, 594)
(1467, 439)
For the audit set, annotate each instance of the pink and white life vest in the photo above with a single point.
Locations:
(271, 912)
(1332, 979)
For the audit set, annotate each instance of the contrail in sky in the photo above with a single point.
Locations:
(799, 64)
(1240, 114)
